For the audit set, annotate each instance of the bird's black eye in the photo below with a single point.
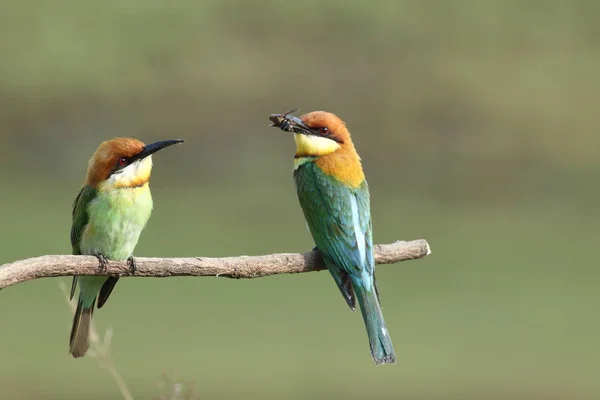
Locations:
(324, 131)
(121, 162)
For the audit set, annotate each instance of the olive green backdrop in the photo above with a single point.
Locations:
(477, 125)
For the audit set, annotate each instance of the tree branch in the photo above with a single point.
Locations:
(230, 267)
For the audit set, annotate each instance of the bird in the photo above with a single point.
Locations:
(109, 214)
(334, 197)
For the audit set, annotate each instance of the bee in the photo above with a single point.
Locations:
(285, 121)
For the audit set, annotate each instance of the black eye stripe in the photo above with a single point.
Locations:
(325, 132)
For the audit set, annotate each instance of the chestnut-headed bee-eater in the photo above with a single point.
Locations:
(109, 214)
(334, 197)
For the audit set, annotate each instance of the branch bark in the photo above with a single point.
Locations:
(230, 267)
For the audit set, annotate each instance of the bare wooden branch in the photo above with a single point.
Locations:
(230, 267)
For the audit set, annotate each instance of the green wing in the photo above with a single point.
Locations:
(80, 220)
(328, 208)
(80, 215)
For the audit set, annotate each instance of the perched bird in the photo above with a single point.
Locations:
(109, 213)
(334, 197)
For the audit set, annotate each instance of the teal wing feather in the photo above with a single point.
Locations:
(366, 224)
(363, 200)
(80, 220)
(328, 210)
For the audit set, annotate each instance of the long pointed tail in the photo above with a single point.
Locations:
(382, 349)
(78, 342)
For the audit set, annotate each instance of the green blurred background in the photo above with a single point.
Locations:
(477, 125)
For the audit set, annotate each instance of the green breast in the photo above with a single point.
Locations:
(116, 220)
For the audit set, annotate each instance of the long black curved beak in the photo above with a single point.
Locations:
(299, 127)
(152, 148)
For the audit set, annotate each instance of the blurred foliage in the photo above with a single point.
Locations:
(476, 122)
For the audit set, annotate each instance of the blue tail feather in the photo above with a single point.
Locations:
(382, 349)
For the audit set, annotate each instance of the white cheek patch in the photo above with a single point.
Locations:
(358, 233)
(310, 145)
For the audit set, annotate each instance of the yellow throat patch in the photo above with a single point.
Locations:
(133, 175)
(314, 146)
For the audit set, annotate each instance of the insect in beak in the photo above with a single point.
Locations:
(286, 121)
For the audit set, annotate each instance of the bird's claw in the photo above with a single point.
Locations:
(315, 248)
(132, 264)
(103, 262)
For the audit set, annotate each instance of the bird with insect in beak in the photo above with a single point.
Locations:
(334, 197)
(109, 214)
